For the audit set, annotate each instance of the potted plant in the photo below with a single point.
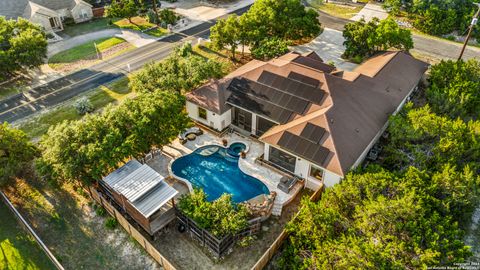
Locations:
(243, 154)
(224, 142)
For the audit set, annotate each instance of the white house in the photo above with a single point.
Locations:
(50, 14)
(315, 121)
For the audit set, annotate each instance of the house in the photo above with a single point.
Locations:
(142, 193)
(315, 121)
(50, 14)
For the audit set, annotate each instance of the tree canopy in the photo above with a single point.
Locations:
(436, 17)
(122, 9)
(454, 88)
(286, 20)
(363, 39)
(16, 151)
(88, 149)
(182, 71)
(22, 45)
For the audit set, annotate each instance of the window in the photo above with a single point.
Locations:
(202, 113)
(316, 172)
(282, 159)
(263, 125)
(52, 22)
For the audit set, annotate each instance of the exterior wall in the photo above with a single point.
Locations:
(63, 13)
(78, 10)
(302, 169)
(44, 21)
(215, 121)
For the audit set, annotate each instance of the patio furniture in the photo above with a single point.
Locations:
(287, 183)
(191, 137)
(183, 137)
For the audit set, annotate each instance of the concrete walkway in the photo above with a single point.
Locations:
(329, 46)
(369, 11)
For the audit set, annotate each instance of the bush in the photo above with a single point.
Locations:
(221, 217)
(83, 106)
(100, 211)
(184, 50)
(111, 223)
(270, 48)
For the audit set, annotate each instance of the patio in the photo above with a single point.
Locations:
(269, 177)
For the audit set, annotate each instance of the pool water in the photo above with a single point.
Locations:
(214, 170)
(236, 148)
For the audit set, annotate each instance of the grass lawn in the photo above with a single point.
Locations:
(342, 11)
(140, 24)
(18, 250)
(87, 27)
(100, 97)
(84, 51)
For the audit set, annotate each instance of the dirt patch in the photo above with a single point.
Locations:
(185, 253)
(69, 226)
(92, 59)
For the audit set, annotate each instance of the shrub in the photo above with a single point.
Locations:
(184, 50)
(100, 211)
(111, 223)
(83, 106)
(221, 217)
(152, 17)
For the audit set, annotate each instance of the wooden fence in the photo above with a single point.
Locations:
(219, 247)
(132, 231)
(31, 232)
(268, 255)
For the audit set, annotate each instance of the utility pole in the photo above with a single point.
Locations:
(472, 24)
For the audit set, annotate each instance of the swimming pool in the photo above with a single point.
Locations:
(216, 171)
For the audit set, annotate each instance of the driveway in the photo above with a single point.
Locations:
(329, 46)
(370, 11)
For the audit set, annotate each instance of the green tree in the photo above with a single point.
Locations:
(454, 88)
(178, 73)
(225, 33)
(167, 16)
(122, 9)
(88, 149)
(364, 39)
(22, 45)
(270, 48)
(16, 151)
(436, 21)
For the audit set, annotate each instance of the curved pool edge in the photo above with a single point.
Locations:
(189, 184)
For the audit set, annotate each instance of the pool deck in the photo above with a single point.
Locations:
(255, 149)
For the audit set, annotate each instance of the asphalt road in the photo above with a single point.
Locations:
(429, 45)
(53, 93)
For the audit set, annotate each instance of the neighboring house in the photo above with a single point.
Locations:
(50, 14)
(315, 121)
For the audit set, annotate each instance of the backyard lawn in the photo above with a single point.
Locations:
(17, 249)
(100, 97)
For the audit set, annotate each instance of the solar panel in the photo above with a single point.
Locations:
(269, 101)
(317, 65)
(312, 133)
(304, 91)
(303, 148)
(304, 79)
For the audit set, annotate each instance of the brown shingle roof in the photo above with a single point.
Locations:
(355, 108)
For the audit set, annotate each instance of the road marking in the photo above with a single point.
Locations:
(112, 68)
